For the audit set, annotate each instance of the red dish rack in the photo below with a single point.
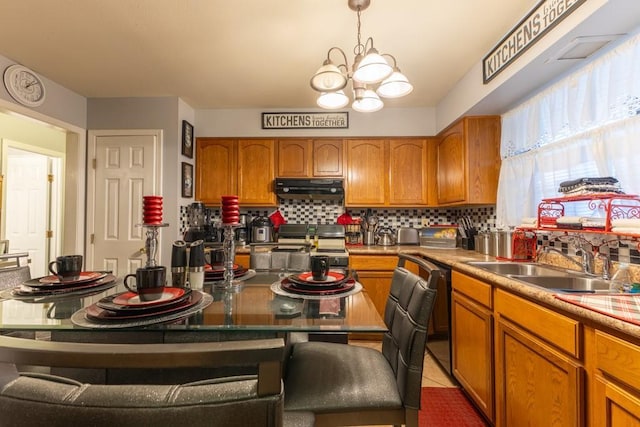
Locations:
(616, 206)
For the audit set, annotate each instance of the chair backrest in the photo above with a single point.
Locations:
(12, 273)
(407, 313)
(40, 399)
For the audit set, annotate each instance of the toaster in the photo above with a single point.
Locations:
(407, 236)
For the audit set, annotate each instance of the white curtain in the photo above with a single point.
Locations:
(583, 126)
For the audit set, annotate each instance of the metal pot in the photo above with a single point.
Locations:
(386, 237)
(503, 244)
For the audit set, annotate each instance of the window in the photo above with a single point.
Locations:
(586, 125)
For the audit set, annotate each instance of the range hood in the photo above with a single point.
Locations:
(309, 188)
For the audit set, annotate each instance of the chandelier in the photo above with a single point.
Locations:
(372, 76)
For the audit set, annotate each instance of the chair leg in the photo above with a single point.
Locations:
(411, 417)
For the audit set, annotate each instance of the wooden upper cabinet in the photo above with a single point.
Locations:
(216, 171)
(328, 158)
(452, 166)
(367, 172)
(294, 158)
(305, 158)
(408, 167)
(468, 161)
(256, 171)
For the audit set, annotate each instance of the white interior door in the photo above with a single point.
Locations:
(126, 167)
(27, 206)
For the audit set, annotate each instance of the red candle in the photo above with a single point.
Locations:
(230, 210)
(152, 210)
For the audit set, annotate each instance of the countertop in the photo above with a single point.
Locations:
(458, 258)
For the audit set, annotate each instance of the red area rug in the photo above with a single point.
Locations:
(447, 406)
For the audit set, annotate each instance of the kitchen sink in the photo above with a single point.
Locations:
(566, 283)
(519, 268)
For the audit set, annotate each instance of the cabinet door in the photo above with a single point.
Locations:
(328, 158)
(452, 166)
(408, 164)
(216, 169)
(256, 172)
(535, 385)
(472, 350)
(367, 177)
(294, 158)
(616, 383)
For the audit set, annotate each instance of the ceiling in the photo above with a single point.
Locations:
(245, 53)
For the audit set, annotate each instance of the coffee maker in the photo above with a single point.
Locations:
(242, 232)
(196, 217)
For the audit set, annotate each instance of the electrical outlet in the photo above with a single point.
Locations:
(425, 222)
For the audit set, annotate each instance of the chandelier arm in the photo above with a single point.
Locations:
(395, 65)
(344, 56)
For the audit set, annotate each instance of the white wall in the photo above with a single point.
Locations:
(533, 70)
(60, 103)
(387, 122)
(148, 113)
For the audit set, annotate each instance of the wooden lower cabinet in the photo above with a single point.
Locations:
(242, 259)
(472, 340)
(539, 376)
(616, 382)
(535, 385)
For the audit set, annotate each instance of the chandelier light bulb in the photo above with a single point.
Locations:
(372, 69)
(395, 86)
(328, 78)
(332, 100)
(368, 102)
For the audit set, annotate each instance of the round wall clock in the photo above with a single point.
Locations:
(24, 85)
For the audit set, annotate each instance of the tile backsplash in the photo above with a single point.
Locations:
(327, 212)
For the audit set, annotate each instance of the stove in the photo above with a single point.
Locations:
(331, 243)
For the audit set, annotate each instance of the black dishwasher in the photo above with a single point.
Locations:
(439, 338)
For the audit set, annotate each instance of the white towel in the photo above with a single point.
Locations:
(529, 220)
(625, 222)
(570, 220)
(626, 230)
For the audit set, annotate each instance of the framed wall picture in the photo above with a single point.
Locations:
(187, 180)
(187, 139)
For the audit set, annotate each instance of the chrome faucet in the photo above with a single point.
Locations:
(587, 263)
(606, 265)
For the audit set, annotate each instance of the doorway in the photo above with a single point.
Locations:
(33, 186)
(126, 166)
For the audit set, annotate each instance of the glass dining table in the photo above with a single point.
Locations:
(256, 308)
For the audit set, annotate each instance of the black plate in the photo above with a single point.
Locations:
(93, 312)
(107, 303)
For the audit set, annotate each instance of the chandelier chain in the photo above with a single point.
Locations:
(359, 48)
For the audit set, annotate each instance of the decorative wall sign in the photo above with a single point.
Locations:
(339, 120)
(542, 18)
(187, 139)
(187, 180)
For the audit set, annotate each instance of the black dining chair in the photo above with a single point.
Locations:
(40, 399)
(346, 384)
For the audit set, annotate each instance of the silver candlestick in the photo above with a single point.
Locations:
(151, 243)
(228, 247)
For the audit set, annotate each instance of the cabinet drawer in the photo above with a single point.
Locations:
(618, 358)
(373, 263)
(473, 288)
(563, 332)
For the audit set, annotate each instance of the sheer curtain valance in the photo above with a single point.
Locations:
(585, 125)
